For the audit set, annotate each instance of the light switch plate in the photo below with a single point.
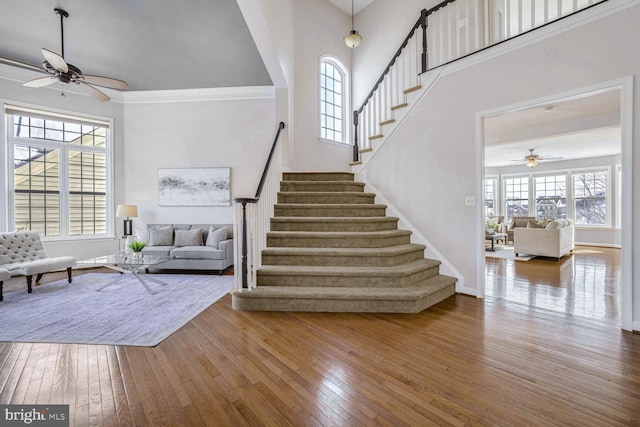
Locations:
(469, 201)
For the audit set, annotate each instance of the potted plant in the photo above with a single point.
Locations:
(490, 227)
(137, 246)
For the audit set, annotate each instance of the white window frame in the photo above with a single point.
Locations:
(7, 170)
(346, 100)
(608, 197)
(497, 207)
(504, 192)
(567, 192)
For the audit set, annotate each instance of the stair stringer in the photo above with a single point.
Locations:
(430, 251)
(428, 80)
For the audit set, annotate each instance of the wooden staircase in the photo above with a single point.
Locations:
(332, 249)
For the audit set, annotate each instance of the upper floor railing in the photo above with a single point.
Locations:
(447, 32)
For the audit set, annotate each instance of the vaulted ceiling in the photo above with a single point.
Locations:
(152, 44)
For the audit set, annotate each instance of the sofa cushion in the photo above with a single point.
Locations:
(158, 251)
(216, 236)
(191, 237)
(29, 268)
(161, 235)
(195, 252)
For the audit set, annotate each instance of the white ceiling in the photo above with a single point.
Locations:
(581, 127)
(345, 5)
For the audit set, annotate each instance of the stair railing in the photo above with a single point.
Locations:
(251, 219)
(448, 32)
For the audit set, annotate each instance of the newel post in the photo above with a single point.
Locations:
(245, 284)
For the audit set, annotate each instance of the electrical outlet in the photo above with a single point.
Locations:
(469, 201)
(462, 22)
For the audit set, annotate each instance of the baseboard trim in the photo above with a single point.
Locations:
(599, 245)
(635, 326)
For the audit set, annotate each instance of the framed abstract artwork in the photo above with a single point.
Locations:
(194, 187)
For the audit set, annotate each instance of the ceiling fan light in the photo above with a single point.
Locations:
(532, 163)
(353, 39)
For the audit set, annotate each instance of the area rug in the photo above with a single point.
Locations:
(507, 253)
(123, 313)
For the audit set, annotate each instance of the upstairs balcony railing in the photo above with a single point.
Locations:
(443, 34)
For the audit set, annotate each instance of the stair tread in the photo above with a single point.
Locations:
(326, 193)
(335, 218)
(332, 205)
(425, 287)
(346, 183)
(338, 234)
(384, 251)
(402, 269)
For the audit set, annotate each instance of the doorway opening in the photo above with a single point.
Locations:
(561, 160)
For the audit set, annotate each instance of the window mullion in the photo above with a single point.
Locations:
(64, 192)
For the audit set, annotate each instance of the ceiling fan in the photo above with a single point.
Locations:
(531, 160)
(59, 70)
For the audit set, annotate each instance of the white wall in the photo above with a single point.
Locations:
(12, 91)
(218, 131)
(319, 29)
(383, 26)
(432, 161)
(605, 236)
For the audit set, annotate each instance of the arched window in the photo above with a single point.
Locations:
(333, 100)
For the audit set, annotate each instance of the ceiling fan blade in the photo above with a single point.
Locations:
(94, 92)
(550, 157)
(105, 81)
(55, 60)
(20, 64)
(41, 82)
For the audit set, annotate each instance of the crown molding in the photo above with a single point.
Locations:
(199, 95)
(20, 75)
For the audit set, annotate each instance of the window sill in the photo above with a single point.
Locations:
(338, 143)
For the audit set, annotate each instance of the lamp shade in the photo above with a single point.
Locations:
(129, 211)
(353, 39)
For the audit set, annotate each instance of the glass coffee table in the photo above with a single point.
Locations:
(128, 263)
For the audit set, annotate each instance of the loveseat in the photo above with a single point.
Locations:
(189, 246)
(555, 239)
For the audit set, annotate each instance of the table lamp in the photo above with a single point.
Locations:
(128, 211)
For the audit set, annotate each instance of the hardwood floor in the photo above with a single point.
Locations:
(586, 283)
(465, 361)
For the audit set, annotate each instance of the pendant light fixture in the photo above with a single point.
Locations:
(353, 39)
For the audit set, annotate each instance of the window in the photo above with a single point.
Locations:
(516, 197)
(60, 173)
(490, 201)
(333, 100)
(590, 197)
(551, 197)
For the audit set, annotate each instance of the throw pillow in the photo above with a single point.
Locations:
(142, 234)
(536, 224)
(161, 236)
(188, 237)
(553, 225)
(216, 236)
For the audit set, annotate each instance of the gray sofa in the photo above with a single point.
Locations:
(189, 246)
